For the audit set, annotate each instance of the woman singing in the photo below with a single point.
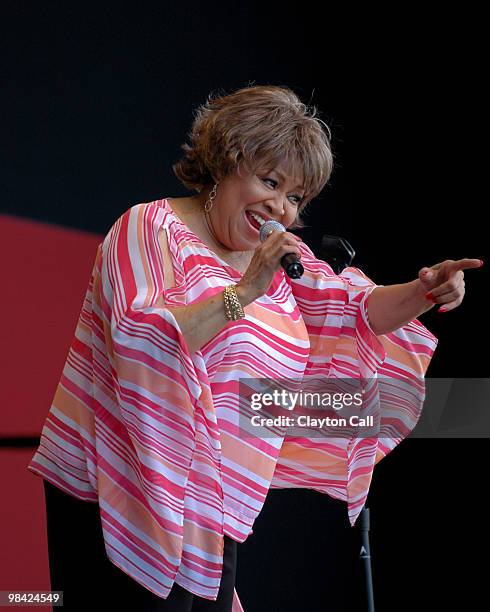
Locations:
(146, 474)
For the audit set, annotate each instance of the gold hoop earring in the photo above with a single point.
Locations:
(210, 201)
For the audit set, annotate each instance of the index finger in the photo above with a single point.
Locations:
(466, 264)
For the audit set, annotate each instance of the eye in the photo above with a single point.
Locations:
(299, 199)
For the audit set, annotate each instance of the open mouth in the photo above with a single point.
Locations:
(252, 220)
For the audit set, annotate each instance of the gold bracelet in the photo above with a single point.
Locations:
(233, 308)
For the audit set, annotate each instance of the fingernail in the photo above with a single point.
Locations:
(442, 309)
(425, 273)
(429, 296)
(481, 262)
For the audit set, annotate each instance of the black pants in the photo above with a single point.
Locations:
(79, 565)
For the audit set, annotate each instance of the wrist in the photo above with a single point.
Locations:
(245, 294)
(419, 295)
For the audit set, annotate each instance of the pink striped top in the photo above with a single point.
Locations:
(148, 430)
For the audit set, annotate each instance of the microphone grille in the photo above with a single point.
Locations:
(268, 226)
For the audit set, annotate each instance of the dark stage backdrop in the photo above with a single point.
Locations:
(95, 103)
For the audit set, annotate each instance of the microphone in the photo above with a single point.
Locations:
(290, 262)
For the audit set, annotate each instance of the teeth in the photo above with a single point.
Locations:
(257, 218)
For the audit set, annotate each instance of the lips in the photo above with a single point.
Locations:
(253, 222)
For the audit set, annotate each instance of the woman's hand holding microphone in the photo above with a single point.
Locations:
(265, 262)
(200, 321)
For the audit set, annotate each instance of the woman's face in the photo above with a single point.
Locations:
(271, 195)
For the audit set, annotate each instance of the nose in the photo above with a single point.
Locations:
(276, 206)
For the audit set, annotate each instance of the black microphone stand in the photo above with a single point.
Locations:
(338, 253)
(365, 556)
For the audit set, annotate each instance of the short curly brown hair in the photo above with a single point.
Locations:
(260, 126)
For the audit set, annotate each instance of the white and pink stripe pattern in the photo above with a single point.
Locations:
(149, 430)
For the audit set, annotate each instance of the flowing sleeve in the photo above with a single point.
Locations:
(391, 368)
(400, 377)
(145, 415)
(335, 311)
